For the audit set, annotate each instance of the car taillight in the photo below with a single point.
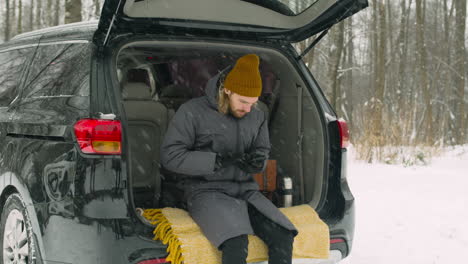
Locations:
(336, 240)
(344, 133)
(153, 261)
(99, 136)
(340, 245)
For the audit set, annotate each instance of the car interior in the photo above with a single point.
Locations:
(157, 77)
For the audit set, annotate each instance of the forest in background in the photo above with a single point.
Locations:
(395, 71)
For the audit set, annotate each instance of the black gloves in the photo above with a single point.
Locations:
(224, 160)
(252, 162)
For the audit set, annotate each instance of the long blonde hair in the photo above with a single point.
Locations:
(223, 99)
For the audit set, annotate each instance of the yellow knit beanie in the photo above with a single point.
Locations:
(244, 79)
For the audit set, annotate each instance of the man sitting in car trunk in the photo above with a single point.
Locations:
(214, 144)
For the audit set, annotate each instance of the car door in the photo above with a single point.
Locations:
(290, 20)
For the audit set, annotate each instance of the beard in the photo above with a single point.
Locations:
(237, 113)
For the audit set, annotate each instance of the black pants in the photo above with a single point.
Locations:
(278, 239)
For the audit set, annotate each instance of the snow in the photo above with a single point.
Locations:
(414, 214)
(110, 116)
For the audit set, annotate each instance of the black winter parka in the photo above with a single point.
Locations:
(217, 201)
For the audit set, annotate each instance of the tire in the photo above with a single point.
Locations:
(16, 247)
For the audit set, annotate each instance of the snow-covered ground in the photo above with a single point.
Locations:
(414, 215)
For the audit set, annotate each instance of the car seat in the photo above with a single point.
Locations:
(147, 123)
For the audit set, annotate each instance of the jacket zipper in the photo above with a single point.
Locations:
(237, 153)
(237, 137)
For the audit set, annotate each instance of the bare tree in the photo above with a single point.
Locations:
(448, 94)
(389, 16)
(336, 55)
(402, 52)
(31, 16)
(7, 20)
(422, 70)
(348, 88)
(13, 21)
(57, 12)
(97, 8)
(72, 11)
(460, 67)
(20, 17)
(38, 14)
(49, 13)
(380, 73)
(374, 39)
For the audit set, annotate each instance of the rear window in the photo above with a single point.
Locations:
(59, 70)
(11, 68)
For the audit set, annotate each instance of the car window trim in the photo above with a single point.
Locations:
(46, 44)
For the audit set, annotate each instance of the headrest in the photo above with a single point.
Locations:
(136, 90)
(138, 75)
(176, 91)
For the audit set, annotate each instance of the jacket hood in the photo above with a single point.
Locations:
(212, 86)
(211, 90)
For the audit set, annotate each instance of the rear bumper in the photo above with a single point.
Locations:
(339, 211)
(335, 257)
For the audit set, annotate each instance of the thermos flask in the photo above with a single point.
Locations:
(287, 190)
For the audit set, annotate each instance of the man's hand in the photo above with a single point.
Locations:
(252, 162)
(224, 160)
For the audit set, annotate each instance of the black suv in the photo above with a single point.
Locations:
(84, 108)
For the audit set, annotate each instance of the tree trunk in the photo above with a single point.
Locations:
(13, 27)
(57, 13)
(309, 57)
(38, 24)
(447, 92)
(422, 69)
(374, 42)
(49, 15)
(460, 66)
(349, 66)
(31, 16)
(390, 18)
(97, 8)
(20, 17)
(7, 20)
(335, 66)
(380, 75)
(401, 94)
(72, 11)
(402, 59)
(436, 83)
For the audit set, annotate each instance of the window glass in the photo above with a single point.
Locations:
(59, 70)
(11, 68)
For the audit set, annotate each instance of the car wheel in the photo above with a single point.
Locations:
(16, 236)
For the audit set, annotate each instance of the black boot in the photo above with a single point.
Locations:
(235, 250)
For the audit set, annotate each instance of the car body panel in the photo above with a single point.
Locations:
(235, 19)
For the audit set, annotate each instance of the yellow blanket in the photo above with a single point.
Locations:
(187, 244)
